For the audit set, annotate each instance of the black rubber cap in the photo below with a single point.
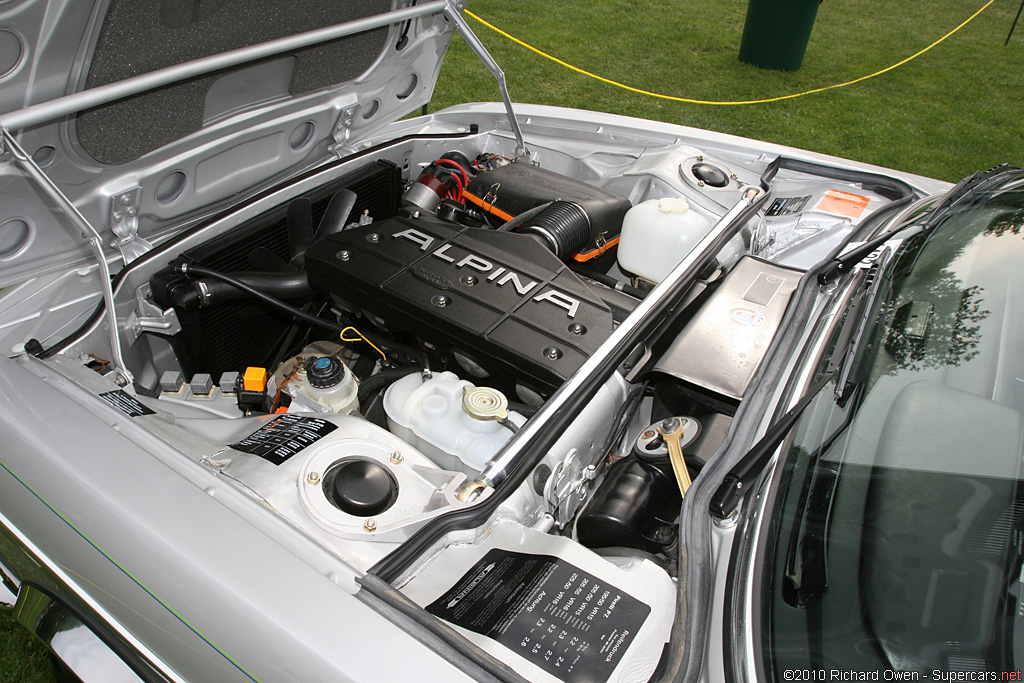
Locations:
(711, 175)
(361, 487)
(324, 372)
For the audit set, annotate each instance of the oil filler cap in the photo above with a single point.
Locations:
(324, 372)
(360, 487)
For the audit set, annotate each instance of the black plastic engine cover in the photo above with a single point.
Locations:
(499, 296)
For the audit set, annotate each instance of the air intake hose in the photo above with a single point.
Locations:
(564, 228)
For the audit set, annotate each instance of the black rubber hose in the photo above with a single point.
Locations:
(385, 378)
(211, 292)
(524, 409)
(97, 312)
(242, 286)
(564, 227)
(298, 314)
(609, 282)
(511, 225)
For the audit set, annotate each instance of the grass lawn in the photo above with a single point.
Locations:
(951, 111)
(954, 110)
(22, 658)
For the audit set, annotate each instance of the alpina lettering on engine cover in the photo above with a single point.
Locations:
(500, 276)
(507, 300)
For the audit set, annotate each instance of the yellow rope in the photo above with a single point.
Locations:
(360, 336)
(687, 100)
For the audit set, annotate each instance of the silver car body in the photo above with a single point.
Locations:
(164, 559)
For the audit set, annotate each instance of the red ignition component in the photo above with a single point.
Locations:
(438, 181)
(462, 177)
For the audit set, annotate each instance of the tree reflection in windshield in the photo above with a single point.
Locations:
(896, 531)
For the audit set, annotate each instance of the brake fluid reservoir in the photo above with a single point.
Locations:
(657, 234)
(456, 424)
(326, 381)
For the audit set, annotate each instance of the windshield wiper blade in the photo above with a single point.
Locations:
(856, 325)
(806, 569)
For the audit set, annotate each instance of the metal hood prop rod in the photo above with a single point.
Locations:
(124, 378)
(453, 13)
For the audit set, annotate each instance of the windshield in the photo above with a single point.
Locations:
(896, 530)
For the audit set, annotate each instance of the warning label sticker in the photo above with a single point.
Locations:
(784, 206)
(843, 204)
(284, 436)
(126, 403)
(555, 615)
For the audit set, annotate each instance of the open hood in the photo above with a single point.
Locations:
(248, 92)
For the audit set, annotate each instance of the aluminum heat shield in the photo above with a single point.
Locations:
(722, 346)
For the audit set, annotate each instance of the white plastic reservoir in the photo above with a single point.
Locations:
(657, 234)
(454, 423)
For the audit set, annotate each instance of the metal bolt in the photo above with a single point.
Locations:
(649, 434)
(313, 478)
(552, 353)
(370, 524)
(577, 328)
(700, 157)
(343, 255)
(700, 183)
(132, 212)
(440, 301)
(126, 199)
(396, 458)
(118, 216)
(469, 280)
(734, 176)
(373, 237)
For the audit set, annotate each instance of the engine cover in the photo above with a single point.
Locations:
(499, 296)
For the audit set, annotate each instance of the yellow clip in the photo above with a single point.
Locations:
(360, 337)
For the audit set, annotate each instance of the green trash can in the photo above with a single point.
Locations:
(776, 32)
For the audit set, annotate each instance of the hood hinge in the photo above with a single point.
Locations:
(148, 317)
(343, 130)
(124, 223)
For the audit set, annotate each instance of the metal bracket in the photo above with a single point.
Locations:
(148, 317)
(566, 488)
(124, 223)
(343, 129)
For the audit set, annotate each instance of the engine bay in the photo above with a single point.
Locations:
(382, 347)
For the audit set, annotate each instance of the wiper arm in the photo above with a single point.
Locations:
(847, 261)
(742, 477)
(964, 190)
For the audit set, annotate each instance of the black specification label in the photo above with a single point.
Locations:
(126, 403)
(284, 436)
(787, 205)
(557, 616)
